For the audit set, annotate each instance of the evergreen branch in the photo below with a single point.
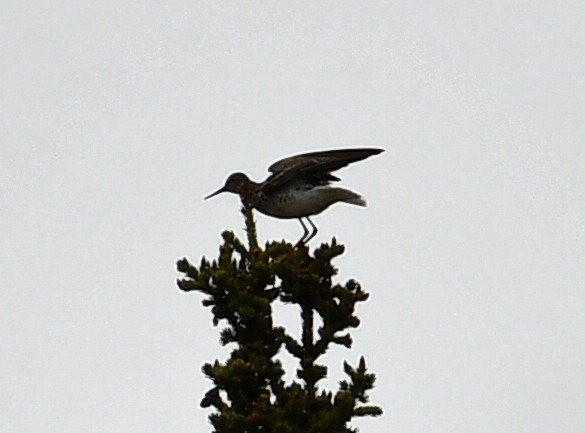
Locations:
(249, 393)
(250, 226)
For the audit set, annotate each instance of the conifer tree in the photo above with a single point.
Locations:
(249, 394)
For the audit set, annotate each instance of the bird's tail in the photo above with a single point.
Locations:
(351, 197)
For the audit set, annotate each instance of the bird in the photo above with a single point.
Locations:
(299, 186)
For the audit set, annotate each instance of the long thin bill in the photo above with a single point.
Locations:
(213, 194)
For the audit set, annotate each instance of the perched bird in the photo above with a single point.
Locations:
(300, 186)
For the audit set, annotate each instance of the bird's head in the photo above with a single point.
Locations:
(237, 183)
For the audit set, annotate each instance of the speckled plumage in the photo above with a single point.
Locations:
(299, 186)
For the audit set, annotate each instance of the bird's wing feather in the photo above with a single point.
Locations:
(314, 166)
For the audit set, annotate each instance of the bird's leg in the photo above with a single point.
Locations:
(315, 230)
(305, 233)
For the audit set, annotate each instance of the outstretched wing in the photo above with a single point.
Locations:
(313, 166)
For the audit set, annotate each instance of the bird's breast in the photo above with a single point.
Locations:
(295, 203)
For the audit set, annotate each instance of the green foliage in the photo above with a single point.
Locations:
(249, 393)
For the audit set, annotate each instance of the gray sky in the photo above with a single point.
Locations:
(118, 117)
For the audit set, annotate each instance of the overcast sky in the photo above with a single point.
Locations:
(116, 118)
